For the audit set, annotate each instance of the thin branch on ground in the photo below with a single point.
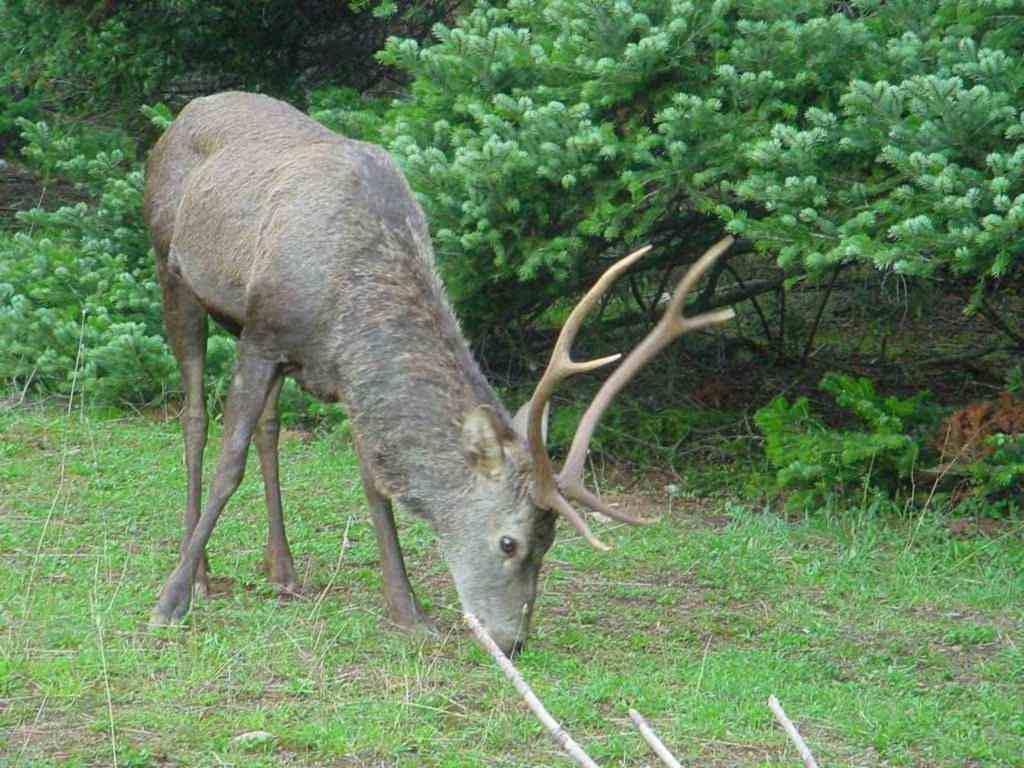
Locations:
(559, 734)
(35, 722)
(101, 643)
(28, 383)
(62, 471)
(792, 732)
(653, 741)
(703, 662)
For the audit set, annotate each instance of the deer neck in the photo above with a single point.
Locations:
(407, 380)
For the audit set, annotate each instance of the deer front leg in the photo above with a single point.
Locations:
(403, 609)
(277, 556)
(252, 381)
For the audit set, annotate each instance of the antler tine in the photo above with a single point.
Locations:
(591, 500)
(564, 508)
(671, 325)
(560, 367)
(674, 311)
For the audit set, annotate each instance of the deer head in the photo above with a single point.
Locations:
(517, 490)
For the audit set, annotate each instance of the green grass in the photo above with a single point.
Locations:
(888, 642)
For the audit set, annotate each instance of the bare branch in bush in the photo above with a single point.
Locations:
(753, 300)
(791, 731)
(821, 310)
(1000, 322)
(780, 354)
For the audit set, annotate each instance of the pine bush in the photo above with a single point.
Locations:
(79, 305)
(815, 462)
(545, 136)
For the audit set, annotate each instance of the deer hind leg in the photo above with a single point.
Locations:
(403, 608)
(253, 379)
(185, 320)
(277, 557)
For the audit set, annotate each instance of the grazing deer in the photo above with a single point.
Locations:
(312, 250)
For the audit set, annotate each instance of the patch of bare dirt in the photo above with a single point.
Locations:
(655, 503)
(297, 435)
(947, 615)
(167, 411)
(654, 493)
(221, 586)
(720, 753)
(50, 734)
(972, 527)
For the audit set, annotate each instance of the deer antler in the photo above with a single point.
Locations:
(553, 491)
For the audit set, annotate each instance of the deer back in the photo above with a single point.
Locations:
(314, 244)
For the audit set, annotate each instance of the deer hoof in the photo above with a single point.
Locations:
(281, 572)
(201, 588)
(417, 623)
(172, 606)
(158, 619)
(288, 591)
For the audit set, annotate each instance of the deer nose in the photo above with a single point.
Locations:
(510, 645)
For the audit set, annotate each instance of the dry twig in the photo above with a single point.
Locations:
(559, 734)
(653, 741)
(792, 732)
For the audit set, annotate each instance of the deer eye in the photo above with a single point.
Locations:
(508, 545)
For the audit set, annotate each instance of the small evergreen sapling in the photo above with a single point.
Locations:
(815, 462)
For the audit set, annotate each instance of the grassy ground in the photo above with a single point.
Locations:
(889, 642)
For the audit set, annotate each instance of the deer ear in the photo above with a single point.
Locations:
(521, 421)
(484, 435)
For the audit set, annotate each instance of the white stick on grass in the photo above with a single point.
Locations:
(559, 734)
(653, 741)
(791, 731)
